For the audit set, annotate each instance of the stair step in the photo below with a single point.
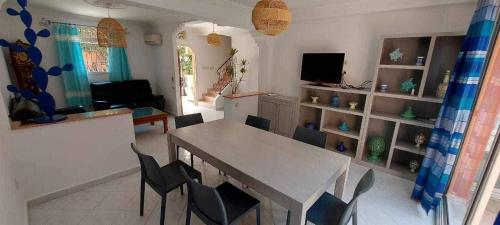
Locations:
(208, 98)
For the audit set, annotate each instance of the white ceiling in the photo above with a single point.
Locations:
(298, 4)
(133, 13)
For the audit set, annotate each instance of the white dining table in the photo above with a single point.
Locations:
(290, 173)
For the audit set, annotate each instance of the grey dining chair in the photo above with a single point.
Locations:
(162, 179)
(258, 122)
(222, 205)
(310, 136)
(329, 210)
(185, 121)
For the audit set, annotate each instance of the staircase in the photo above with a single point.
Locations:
(209, 96)
(223, 81)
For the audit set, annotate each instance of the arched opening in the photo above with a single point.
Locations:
(187, 75)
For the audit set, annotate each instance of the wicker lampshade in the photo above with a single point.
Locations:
(271, 17)
(110, 33)
(213, 39)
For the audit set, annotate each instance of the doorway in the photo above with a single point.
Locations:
(187, 76)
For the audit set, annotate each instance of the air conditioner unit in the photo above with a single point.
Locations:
(153, 39)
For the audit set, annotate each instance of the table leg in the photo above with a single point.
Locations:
(340, 183)
(165, 126)
(172, 156)
(297, 215)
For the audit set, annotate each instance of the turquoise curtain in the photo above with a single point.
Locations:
(76, 83)
(448, 134)
(119, 68)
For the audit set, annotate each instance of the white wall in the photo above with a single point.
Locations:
(248, 49)
(55, 157)
(164, 67)
(208, 58)
(359, 37)
(139, 54)
(12, 204)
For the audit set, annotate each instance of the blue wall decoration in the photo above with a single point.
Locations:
(43, 99)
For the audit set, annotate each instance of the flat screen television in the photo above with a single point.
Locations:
(322, 67)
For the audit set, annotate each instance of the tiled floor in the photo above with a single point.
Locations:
(117, 202)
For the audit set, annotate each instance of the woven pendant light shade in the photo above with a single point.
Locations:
(213, 39)
(110, 33)
(271, 17)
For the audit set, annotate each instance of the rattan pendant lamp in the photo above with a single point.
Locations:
(213, 38)
(271, 17)
(110, 32)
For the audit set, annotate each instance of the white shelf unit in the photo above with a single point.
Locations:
(328, 117)
(385, 108)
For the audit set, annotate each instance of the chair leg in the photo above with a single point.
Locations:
(188, 214)
(200, 180)
(355, 216)
(288, 217)
(192, 160)
(143, 186)
(177, 152)
(257, 214)
(163, 206)
(182, 189)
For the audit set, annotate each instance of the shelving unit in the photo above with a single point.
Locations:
(440, 52)
(328, 118)
(379, 113)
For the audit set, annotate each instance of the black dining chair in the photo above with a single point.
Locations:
(258, 122)
(185, 121)
(310, 136)
(329, 210)
(162, 179)
(222, 205)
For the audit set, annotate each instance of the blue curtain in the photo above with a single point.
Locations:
(76, 83)
(118, 65)
(448, 134)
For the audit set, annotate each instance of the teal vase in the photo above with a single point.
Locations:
(377, 148)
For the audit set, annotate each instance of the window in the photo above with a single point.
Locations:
(96, 57)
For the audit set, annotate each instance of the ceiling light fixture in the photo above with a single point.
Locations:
(213, 38)
(110, 32)
(271, 17)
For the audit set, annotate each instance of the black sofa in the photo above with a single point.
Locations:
(121, 94)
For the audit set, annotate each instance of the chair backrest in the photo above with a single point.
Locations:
(310, 136)
(258, 122)
(206, 201)
(188, 120)
(365, 184)
(150, 169)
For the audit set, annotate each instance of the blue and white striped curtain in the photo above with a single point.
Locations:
(449, 131)
(76, 83)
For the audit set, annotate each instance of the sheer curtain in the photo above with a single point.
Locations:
(76, 83)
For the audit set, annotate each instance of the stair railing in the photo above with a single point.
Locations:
(221, 71)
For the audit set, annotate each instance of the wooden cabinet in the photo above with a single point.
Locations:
(282, 111)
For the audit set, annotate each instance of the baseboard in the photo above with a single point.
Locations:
(70, 190)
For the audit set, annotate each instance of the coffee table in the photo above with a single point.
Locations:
(150, 115)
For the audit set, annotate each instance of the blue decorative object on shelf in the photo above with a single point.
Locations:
(40, 75)
(310, 125)
(335, 101)
(407, 86)
(396, 55)
(341, 147)
(344, 127)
